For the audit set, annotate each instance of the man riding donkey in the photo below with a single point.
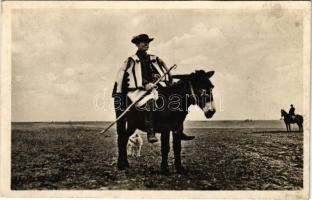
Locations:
(139, 73)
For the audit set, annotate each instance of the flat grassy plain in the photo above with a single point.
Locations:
(73, 156)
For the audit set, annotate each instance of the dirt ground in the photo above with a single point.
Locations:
(75, 157)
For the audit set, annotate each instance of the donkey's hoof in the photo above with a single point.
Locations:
(165, 171)
(181, 170)
(164, 168)
(123, 166)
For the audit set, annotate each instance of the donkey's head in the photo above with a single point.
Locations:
(200, 88)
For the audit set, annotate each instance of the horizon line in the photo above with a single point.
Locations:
(52, 121)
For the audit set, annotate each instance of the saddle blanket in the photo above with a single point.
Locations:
(135, 95)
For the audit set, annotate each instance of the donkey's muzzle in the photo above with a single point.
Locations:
(210, 113)
(209, 109)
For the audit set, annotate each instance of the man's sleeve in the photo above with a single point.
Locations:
(121, 78)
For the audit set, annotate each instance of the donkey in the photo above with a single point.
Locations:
(288, 119)
(172, 109)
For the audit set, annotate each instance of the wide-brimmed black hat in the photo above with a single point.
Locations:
(141, 38)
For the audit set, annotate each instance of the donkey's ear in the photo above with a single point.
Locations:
(180, 76)
(210, 73)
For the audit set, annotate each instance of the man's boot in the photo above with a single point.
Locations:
(181, 135)
(149, 123)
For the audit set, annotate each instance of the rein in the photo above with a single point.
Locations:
(192, 92)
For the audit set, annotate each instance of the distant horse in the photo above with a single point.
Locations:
(288, 119)
(173, 103)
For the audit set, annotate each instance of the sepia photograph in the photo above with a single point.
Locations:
(159, 97)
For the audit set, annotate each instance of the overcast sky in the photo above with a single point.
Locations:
(64, 61)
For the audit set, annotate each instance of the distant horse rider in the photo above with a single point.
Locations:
(139, 72)
(292, 112)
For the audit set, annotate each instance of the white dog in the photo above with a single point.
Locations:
(134, 145)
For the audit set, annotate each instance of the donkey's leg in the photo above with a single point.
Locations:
(123, 137)
(165, 147)
(289, 127)
(122, 151)
(300, 126)
(177, 154)
(121, 129)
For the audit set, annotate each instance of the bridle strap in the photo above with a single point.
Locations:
(192, 92)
